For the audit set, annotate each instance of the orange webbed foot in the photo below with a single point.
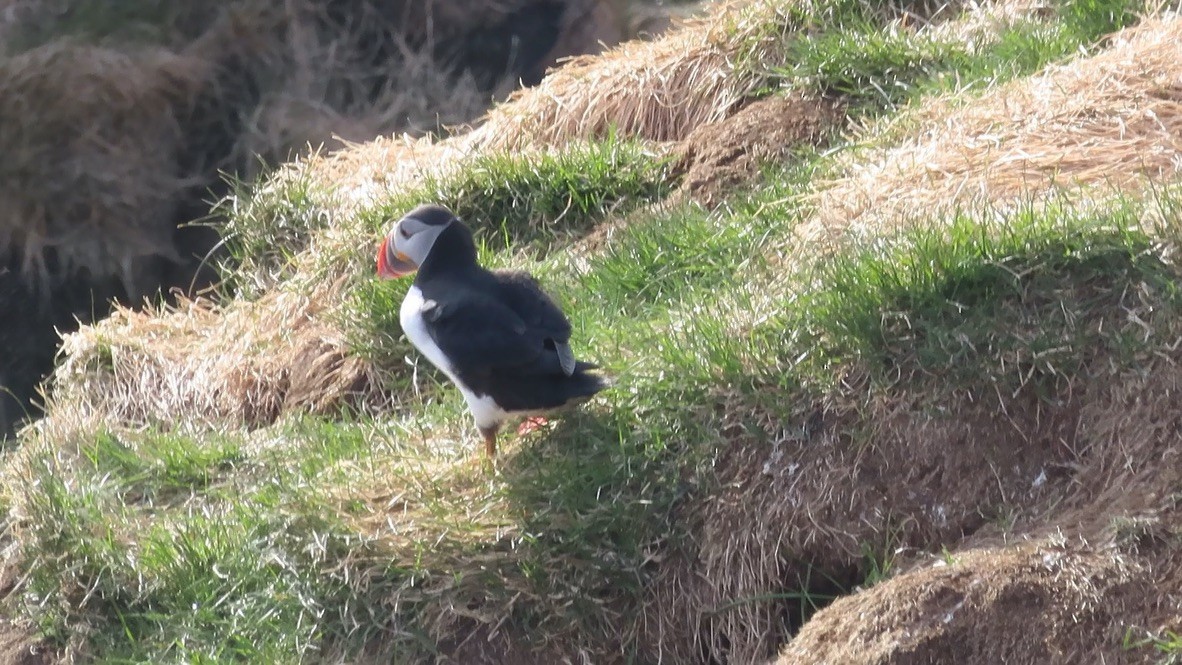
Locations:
(531, 424)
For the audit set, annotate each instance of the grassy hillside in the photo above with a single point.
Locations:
(906, 391)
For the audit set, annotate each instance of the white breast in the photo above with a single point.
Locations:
(483, 408)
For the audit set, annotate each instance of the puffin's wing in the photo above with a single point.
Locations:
(522, 293)
(483, 333)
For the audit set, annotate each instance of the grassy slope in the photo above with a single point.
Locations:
(376, 531)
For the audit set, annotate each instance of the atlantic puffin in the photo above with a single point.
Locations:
(497, 335)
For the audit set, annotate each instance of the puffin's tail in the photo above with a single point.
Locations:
(582, 384)
(534, 392)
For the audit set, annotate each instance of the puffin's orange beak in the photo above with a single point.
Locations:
(401, 266)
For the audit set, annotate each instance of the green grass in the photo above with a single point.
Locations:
(266, 227)
(667, 257)
(168, 548)
(849, 53)
(972, 303)
(163, 466)
(514, 200)
(1166, 644)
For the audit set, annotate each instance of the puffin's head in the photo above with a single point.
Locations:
(407, 245)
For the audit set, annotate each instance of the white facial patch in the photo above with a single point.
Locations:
(422, 238)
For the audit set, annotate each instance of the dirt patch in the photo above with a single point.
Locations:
(845, 478)
(719, 156)
(21, 647)
(19, 644)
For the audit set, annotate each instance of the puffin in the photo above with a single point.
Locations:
(497, 335)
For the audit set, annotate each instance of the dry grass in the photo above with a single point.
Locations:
(93, 183)
(980, 21)
(241, 365)
(658, 90)
(1111, 120)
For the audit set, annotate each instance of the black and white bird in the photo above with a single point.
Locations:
(500, 339)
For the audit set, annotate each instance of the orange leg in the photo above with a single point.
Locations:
(490, 440)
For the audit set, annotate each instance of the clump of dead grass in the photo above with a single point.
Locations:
(1110, 120)
(658, 90)
(980, 21)
(92, 184)
(266, 357)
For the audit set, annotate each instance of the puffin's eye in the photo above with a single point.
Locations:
(403, 232)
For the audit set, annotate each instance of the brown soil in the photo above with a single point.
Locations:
(1043, 602)
(719, 156)
(20, 647)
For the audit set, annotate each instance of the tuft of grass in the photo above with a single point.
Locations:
(996, 306)
(266, 227)
(545, 197)
(163, 465)
(660, 260)
(1167, 643)
(878, 565)
(869, 64)
(879, 558)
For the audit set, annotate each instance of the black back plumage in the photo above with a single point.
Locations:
(500, 330)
